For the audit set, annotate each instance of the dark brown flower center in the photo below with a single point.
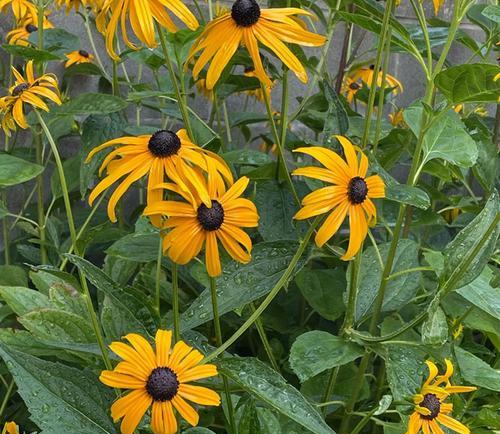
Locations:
(20, 88)
(30, 28)
(212, 218)
(164, 143)
(357, 190)
(245, 12)
(249, 69)
(372, 67)
(162, 384)
(354, 86)
(432, 403)
(83, 53)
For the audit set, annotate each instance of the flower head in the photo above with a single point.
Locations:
(366, 74)
(247, 24)
(77, 57)
(438, 4)
(194, 223)
(161, 154)
(29, 90)
(20, 8)
(71, 4)
(350, 88)
(430, 405)
(10, 428)
(27, 26)
(351, 194)
(158, 379)
(142, 16)
(396, 119)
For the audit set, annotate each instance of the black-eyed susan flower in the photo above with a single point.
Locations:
(193, 224)
(438, 4)
(71, 4)
(351, 194)
(247, 24)
(162, 153)
(29, 90)
(256, 93)
(77, 57)
(365, 74)
(158, 379)
(350, 88)
(6, 118)
(10, 428)
(20, 35)
(430, 405)
(20, 8)
(142, 16)
(396, 118)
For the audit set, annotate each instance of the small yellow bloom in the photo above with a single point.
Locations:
(29, 90)
(350, 195)
(27, 26)
(256, 93)
(366, 74)
(77, 57)
(161, 154)
(438, 4)
(247, 24)
(430, 405)
(194, 223)
(457, 328)
(458, 108)
(20, 8)
(71, 4)
(142, 16)
(350, 87)
(158, 379)
(201, 85)
(396, 119)
(10, 428)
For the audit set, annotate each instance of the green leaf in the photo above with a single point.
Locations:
(247, 157)
(492, 12)
(277, 207)
(134, 312)
(59, 41)
(30, 53)
(241, 284)
(446, 138)
(23, 300)
(249, 421)
(82, 69)
(71, 169)
(323, 290)
(13, 275)
(462, 245)
(435, 327)
(400, 290)
(476, 371)
(316, 351)
(136, 247)
(15, 171)
(91, 104)
(60, 398)
(469, 83)
(336, 121)
(263, 382)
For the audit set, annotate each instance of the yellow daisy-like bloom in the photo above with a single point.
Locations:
(365, 74)
(29, 90)
(350, 88)
(430, 407)
(162, 153)
(350, 194)
(6, 118)
(10, 428)
(20, 8)
(397, 119)
(77, 57)
(438, 4)
(256, 93)
(159, 379)
(71, 4)
(142, 15)
(194, 224)
(27, 26)
(247, 24)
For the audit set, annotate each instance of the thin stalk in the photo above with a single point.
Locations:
(265, 341)
(5, 232)
(175, 302)
(37, 137)
(218, 340)
(92, 42)
(6, 398)
(71, 224)
(285, 277)
(227, 124)
(173, 79)
(344, 54)
(158, 274)
(114, 80)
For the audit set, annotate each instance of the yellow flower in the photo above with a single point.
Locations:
(27, 26)
(366, 75)
(77, 57)
(497, 77)
(201, 85)
(350, 194)
(438, 4)
(396, 119)
(20, 8)
(71, 4)
(142, 16)
(10, 428)
(6, 118)
(29, 90)
(247, 24)
(194, 224)
(350, 87)
(458, 108)
(256, 93)
(430, 407)
(162, 153)
(158, 379)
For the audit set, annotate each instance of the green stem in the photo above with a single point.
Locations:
(158, 274)
(6, 398)
(37, 137)
(92, 42)
(72, 231)
(265, 341)
(175, 301)
(218, 340)
(114, 81)
(270, 297)
(173, 78)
